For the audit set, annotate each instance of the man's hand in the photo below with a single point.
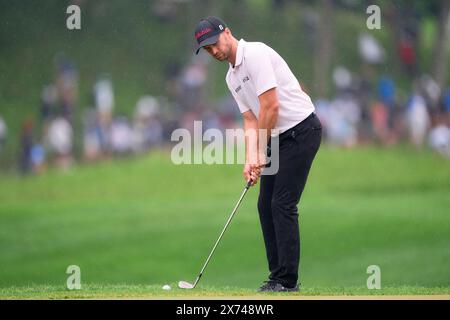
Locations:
(251, 173)
(253, 168)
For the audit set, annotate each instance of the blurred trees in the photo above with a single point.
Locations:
(440, 68)
(404, 17)
(323, 47)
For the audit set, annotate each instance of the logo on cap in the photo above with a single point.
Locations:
(202, 33)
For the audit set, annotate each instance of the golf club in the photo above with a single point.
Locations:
(187, 285)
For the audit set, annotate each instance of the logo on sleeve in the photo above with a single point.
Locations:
(245, 79)
(238, 89)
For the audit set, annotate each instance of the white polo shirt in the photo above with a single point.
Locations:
(259, 68)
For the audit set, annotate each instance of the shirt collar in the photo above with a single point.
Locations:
(239, 53)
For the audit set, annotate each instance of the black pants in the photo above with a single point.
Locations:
(279, 196)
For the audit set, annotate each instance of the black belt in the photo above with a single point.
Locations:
(289, 132)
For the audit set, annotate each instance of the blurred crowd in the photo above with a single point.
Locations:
(53, 137)
(358, 114)
(59, 135)
(365, 108)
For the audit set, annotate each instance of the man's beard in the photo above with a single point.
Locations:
(221, 57)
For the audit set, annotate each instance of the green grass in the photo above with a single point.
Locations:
(156, 292)
(145, 222)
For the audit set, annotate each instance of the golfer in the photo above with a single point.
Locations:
(270, 97)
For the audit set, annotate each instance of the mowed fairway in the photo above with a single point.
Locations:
(133, 225)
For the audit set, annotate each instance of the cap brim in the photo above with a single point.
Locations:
(207, 42)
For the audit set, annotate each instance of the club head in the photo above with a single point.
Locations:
(185, 285)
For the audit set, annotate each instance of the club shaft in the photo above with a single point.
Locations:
(222, 233)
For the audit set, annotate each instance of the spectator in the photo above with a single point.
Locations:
(447, 102)
(439, 137)
(104, 103)
(104, 95)
(60, 141)
(192, 82)
(38, 158)
(342, 78)
(91, 136)
(3, 133)
(370, 49)
(385, 124)
(67, 86)
(431, 91)
(363, 92)
(407, 55)
(147, 129)
(121, 136)
(417, 119)
(343, 119)
(386, 91)
(26, 143)
(379, 117)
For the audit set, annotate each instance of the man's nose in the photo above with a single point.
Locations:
(214, 51)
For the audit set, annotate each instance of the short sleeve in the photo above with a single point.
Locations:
(261, 70)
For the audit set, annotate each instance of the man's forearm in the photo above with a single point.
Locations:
(268, 116)
(251, 140)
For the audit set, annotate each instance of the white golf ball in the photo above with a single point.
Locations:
(166, 287)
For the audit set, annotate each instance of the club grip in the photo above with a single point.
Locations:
(249, 184)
